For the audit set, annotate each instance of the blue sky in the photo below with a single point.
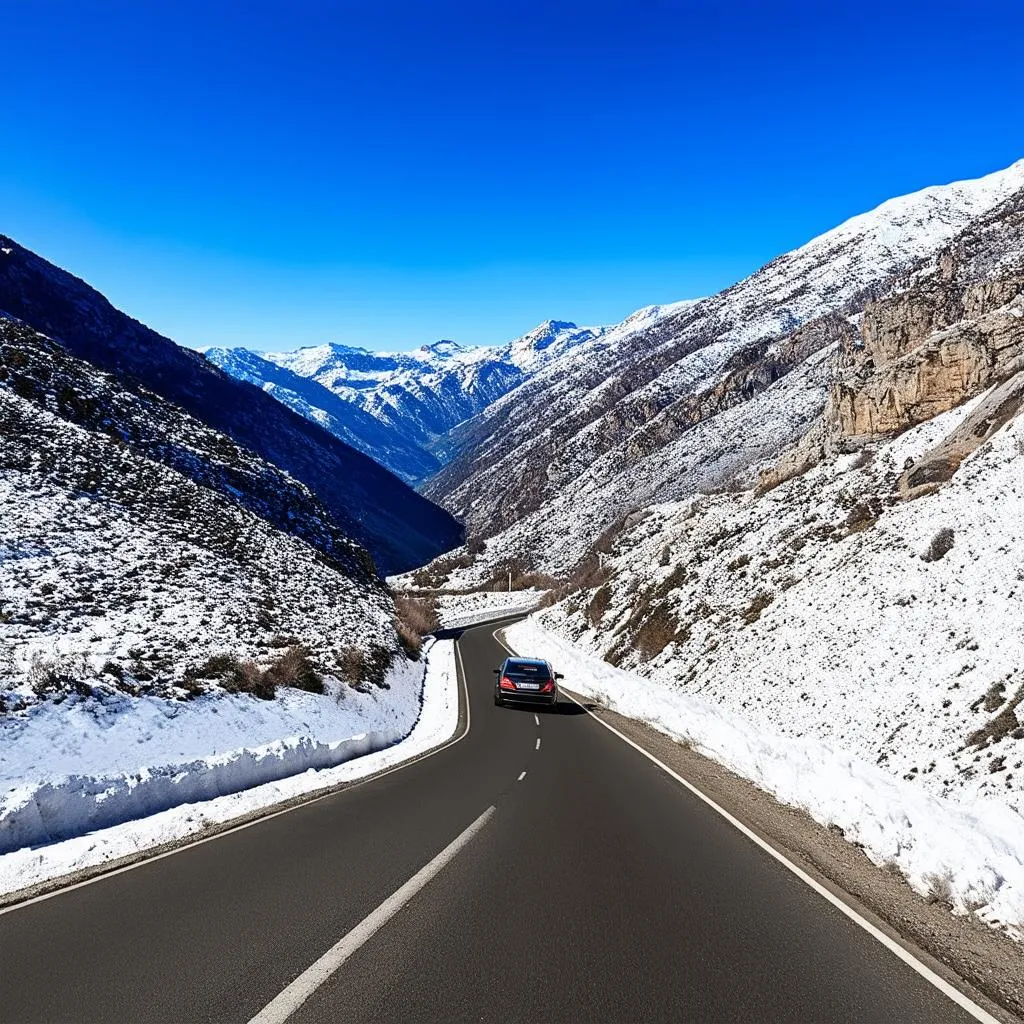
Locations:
(386, 174)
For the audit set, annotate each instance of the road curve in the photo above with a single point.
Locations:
(598, 889)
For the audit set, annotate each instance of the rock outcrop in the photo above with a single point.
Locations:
(926, 350)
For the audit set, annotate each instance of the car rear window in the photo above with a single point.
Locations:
(526, 669)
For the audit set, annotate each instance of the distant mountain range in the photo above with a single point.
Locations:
(401, 407)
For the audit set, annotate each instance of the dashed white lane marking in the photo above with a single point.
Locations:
(538, 744)
(287, 1002)
(536, 719)
(948, 990)
(522, 775)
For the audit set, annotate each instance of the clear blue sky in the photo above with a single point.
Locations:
(386, 174)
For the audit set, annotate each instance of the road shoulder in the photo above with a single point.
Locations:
(959, 949)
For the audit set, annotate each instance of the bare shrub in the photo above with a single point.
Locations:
(418, 613)
(863, 515)
(994, 697)
(658, 629)
(940, 888)
(414, 619)
(433, 575)
(295, 668)
(941, 544)
(247, 677)
(673, 581)
(363, 669)
(599, 605)
(56, 677)
(753, 610)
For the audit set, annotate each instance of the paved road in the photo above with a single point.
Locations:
(598, 890)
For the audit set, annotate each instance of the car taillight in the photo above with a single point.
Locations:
(506, 684)
(548, 686)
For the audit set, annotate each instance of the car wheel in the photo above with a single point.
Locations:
(497, 701)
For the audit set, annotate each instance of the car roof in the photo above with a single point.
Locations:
(527, 661)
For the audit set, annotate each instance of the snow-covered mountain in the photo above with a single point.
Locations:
(179, 618)
(692, 401)
(358, 497)
(400, 407)
(135, 541)
(345, 419)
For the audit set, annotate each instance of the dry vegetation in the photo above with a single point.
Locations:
(292, 668)
(415, 617)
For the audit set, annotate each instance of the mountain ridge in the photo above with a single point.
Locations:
(376, 509)
(620, 429)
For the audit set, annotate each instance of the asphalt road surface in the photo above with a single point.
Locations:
(598, 889)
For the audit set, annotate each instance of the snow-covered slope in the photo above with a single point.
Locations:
(839, 619)
(397, 526)
(658, 412)
(345, 419)
(145, 588)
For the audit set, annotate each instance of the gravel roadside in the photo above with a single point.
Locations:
(987, 965)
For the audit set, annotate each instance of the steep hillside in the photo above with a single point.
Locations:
(161, 642)
(857, 598)
(695, 401)
(366, 502)
(123, 563)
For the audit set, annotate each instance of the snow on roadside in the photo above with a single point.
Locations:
(256, 767)
(455, 610)
(974, 856)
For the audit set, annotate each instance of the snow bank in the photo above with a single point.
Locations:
(214, 789)
(457, 610)
(974, 857)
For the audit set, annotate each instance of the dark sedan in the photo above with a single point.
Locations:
(529, 680)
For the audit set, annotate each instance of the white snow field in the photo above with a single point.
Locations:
(193, 778)
(974, 853)
(455, 610)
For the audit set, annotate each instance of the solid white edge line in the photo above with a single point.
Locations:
(283, 1005)
(948, 990)
(262, 818)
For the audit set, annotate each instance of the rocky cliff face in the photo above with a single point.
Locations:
(923, 351)
(945, 332)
